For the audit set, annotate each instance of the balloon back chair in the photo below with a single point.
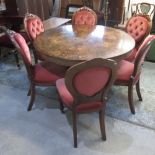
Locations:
(139, 27)
(143, 8)
(84, 16)
(33, 26)
(40, 74)
(84, 90)
(128, 73)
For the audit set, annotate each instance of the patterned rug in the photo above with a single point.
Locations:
(117, 105)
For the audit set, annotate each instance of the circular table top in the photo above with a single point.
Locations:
(68, 44)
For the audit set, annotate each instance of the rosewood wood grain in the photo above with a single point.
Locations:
(68, 45)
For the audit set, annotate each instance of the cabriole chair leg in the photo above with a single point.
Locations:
(102, 124)
(17, 59)
(130, 99)
(138, 91)
(32, 98)
(74, 120)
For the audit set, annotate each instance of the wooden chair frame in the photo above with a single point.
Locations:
(99, 96)
(135, 77)
(30, 72)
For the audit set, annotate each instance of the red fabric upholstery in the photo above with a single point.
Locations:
(124, 71)
(68, 99)
(84, 17)
(24, 48)
(96, 79)
(137, 27)
(34, 27)
(63, 92)
(42, 75)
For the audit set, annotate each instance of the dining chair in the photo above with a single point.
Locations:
(33, 26)
(40, 74)
(84, 89)
(15, 23)
(84, 16)
(139, 27)
(143, 9)
(128, 73)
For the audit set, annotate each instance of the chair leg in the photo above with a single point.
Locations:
(61, 107)
(138, 91)
(35, 55)
(130, 99)
(102, 124)
(74, 121)
(17, 59)
(32, 97)
(61, 104)
(29, 92)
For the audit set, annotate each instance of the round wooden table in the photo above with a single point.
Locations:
(68, 45)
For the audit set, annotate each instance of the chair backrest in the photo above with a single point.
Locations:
(139, 27)
(90, 80)
(141, 54)
(84, 16)
(22, 47)
(33, 25)
(143, 9)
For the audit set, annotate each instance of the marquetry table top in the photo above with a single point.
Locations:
(68, 45)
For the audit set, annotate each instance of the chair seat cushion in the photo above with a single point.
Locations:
(67, 98)
(124, 71)
(43, 74)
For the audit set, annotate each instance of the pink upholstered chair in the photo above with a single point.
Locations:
(33, 26)
(40, 74)
(84, 89)
(128, 73)
(138, 26)
(84, 16)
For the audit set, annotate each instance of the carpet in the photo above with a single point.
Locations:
(117, 105)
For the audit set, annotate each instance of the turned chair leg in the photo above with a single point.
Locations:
(74, 120)
(102, 124)
(138, 91)
(32, 98)
(17, 59)
(130, 99)
(29, 91)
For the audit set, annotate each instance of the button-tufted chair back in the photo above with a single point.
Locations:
(84, 16)
(139, 27)
(33, 25)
